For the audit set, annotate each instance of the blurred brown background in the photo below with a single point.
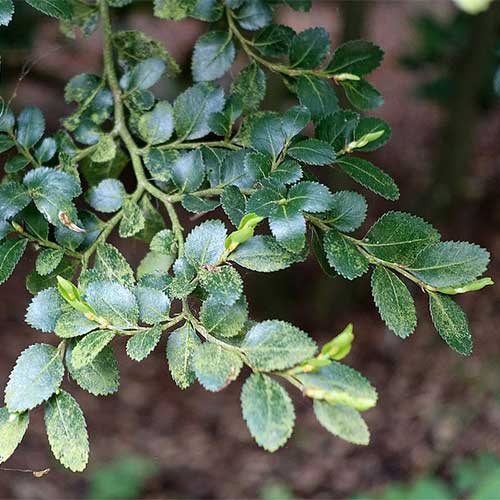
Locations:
(435, 406)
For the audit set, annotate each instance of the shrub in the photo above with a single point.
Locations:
(207, 149)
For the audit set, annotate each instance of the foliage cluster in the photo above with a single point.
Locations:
(210, 148)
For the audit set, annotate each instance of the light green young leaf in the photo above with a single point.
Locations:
(369, 176)
(450, 263)
(224, 320)
(213, 55)
(205, 243)
(399, 237)
(180, 348)
(132, 220)
(11, 252)
(215, 368)
(337, 383)
(12, 430)
(268, 411)
(67, 431)
(86, 350)
(370, 126)
(344, 256)
(264, 254)
(37, 375)
(394, 302)
(276, 345)
(48, 259)
(451, 322)
(141, 345)
(100, 376)
(342, 421)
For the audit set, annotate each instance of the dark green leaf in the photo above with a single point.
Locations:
(313, 152)
(154, 305)
(30, 126)
(274, 41)
(16, 164)
(317, 95)
(295, 120)
(234, 204)
(223, 284)
(309, 197)
(289, 228)
(362, 95)
(344, 256)
(224, 320)
(338, 128)
(205, 243)
(11, 252)
(319, 253)
(347, 211)
(357, 57)
(144, 75)
(371, 125)
(369, 176)
(213, 55)
(48, 259)
(268, 136)
(450, 322)
(250, 86)
(254, 14)
(394, 302)
(13, 198)
(309, 48)
(59, 9)
(156, 126)
(188, 171)
(268, 411)
(198, 205)
(159, 163)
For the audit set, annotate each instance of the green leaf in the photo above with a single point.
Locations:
(188, 171)
(268, 136)
(198, 205)
(394, 302)
(369, 176)
(153, 220)
(295, 120)
(6, 13)
(309, 197)
(207, 10)
(205, 243)
(234, 204)
(312, 152)
(60, 9)
(110, 265)
(215, 368)
(362, 95)
(30, 126)
(44, 310)
(159, 163)
(344, 256)
(357, 57)
(132, 220)
(172, 9)
(114, 302)
(46, 150)
(369, 125)
(6, 142)
(67, 431)
(309, 48)
(156, 126)
(254, 15)
(73, 323)
(274, 41)
(451, 323)
(141, 345)
(250, 86)
(289, 228)
(223, 284)
(89, 347)
(37, 375)
(337, 383)
(213, 55)
(337, 129)
(224, 320)
(264, 254)
(163, 242)
(12, 429)
(154, 305)
(144, 75)
(319, 253)
(48, 259)
(105, 149)
(267, 201)
(317, 95)
(450, 263)
(342, 421)
(16, 164)
(399, 237)
(100, 376)
(347, 211)
(276, 345)
(11, 252)
(287, 172)
(180, 348)
(52, 191)
(192, 110)
(268, 411)
(36, 283)
(13, 198)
